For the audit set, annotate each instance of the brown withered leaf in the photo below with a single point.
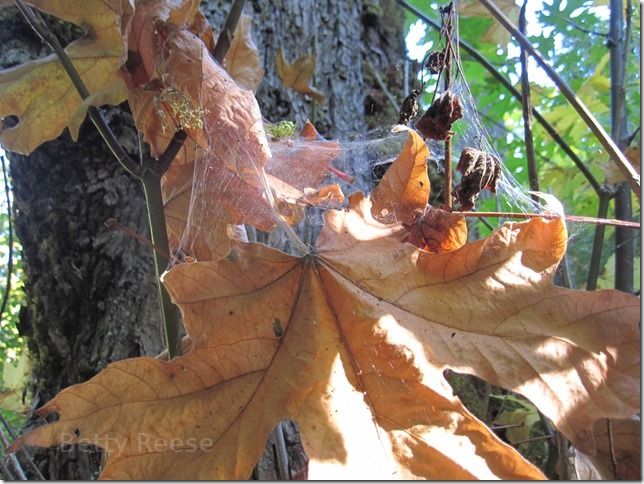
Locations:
(242, 59)
(404, 189)
(305, 161)
(479, 171)
(326, 196)
(626, 444)
(40, 92)
(437, 230)
(368, 325)
(437, 121)
(299, 74)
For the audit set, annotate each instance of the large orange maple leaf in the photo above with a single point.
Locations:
(351, 342)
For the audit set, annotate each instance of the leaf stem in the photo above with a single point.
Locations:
(569, 218)
(632, 177)
(7, 290)
(598, 242)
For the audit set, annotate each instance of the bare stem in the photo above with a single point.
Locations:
(627, 170)
(228, 31)
(527, 112)
(568, 218)
(7, 289)
(598, 243)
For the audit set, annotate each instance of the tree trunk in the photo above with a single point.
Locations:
(91, 295)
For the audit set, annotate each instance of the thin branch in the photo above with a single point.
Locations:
(20, 473)
(579, 27)
(598, 243)
(8, 476)
(516, 94)
(7, 290)
(228, 31)
(282, 454)
(381, 84)
(629, 172)
(527, 114)
(611, 447)
(22, 450)
(568, 218)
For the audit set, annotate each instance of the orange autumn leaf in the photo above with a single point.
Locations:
(326, 196)
(351, 342)
(242, 59)
(41, 95)
(404, 189)
(299, 74)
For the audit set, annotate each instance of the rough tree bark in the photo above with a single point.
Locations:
(90, 291)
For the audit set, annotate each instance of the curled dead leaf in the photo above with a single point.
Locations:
(242, 59)
(437, 121)
(437, 230)
(299, 74)
(403, 191)
(479, 171)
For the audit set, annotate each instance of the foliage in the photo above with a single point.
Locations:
(352, 338)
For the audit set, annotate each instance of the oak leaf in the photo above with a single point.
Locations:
(367, 326)
(40, 92)
(298, 75)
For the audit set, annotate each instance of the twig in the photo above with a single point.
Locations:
(533, 439)
(8, 476)
(598, 242)
(282, 454)
(112, 223)
(516, 94)
(7, 290)
(627, 170)
(12, 458)
(527, 114)
(579, 27)
(228, 31)
(624, 246)
(611, 447)
(381, 84)
(22, 450)
(569, 218)
(508, 426)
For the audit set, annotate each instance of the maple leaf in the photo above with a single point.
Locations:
(367, 325)
(298, 75)
(495, 33)
(40, 92)
(242, 59)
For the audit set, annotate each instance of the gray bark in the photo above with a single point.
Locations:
(90, 292)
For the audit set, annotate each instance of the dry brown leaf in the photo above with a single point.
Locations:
(613, 174)
(437, 230)
(496, 33)
(626, 443)
(299, 74)
(40, 92)
(305, 161)
(351, 341)
(404, 189)
(242, 59)
(326, 196)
